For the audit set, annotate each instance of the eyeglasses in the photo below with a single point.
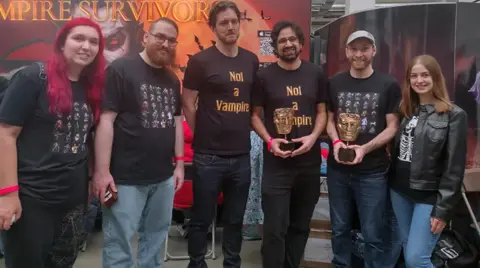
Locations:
(292, 39)
(160, 38)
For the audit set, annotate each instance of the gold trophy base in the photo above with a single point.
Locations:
(346, 155)
(290, 146)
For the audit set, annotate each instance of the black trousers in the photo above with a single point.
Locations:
(44, 236)
(214, 174)
(289, 197)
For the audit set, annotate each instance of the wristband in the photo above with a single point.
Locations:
(8, 190)
(180, 158)
(269, 144)
(335, 142)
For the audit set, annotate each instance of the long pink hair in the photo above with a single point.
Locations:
(93, 76)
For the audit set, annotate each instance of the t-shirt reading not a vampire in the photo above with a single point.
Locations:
(372, 98)
(146, 100)
(301, 89)
(52, 148)
(224, 84)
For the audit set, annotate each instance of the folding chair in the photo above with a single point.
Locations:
(471, 183)
(183, 201)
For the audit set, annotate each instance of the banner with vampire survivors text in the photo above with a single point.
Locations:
(29, 26)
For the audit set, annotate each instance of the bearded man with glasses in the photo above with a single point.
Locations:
(139, 133)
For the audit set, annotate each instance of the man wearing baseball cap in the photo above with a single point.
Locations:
(357, 168)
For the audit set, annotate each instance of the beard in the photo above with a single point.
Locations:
(360, 64)
(160, 56)
(290, 56)
(228, 40)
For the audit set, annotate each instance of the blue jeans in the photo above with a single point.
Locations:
(213, 173)
(143, 209)
(370, 193)
(414, 228)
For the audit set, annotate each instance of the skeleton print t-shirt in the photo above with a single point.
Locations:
(406, 141)
(52, 146)
(401, 181)
(146, 100)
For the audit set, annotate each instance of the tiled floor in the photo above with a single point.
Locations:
(91, 258)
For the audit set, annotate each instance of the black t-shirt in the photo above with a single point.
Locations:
(52, 148)
(301, 89)
(372, 98)
(401, 181)
(224, 84)
(146, 100)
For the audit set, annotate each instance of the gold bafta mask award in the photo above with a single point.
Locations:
(348, 126)
(283, 118)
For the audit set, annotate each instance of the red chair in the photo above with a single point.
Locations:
(183, 199)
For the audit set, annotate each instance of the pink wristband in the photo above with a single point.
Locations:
(8, 190)
(335, 142)
(269, 144)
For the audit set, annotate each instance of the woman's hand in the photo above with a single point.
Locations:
(437, 225)
(10, 210)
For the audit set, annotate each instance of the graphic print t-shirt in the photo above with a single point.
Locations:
(301, 89)
(372, 98)
(401, 182)
(146, 100)
(52, 148)
(224, 84)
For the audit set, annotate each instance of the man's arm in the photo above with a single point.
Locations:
(104, 141)
(179, 141)
(189, 99)
(257, 124)
(385, 136)
(320, 120)
(331, 128)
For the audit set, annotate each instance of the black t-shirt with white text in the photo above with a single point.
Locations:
(301, 89)
(372, 98)
(52, 147)
(224, 84)
(146, 100)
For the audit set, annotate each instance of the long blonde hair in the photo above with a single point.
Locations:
(410, 101)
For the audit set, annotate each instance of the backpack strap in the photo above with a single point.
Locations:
(42, 74)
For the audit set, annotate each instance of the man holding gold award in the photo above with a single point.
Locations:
(291, 94)
(361, 121)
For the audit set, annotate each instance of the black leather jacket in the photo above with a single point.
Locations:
(438, 157)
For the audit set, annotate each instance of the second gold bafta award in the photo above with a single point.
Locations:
(283, 118)
(348, 129)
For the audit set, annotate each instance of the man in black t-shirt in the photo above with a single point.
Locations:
(291, 177)
(221, 77)
(139, 133)
(373, 97)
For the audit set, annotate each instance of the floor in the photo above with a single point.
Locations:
(91, 258)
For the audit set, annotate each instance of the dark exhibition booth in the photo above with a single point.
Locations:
(448, 31)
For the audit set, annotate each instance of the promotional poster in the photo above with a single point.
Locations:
(30, 26)
(467, 75)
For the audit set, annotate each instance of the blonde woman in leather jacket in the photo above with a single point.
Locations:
(428, 160)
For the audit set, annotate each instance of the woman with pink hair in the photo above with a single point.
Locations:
(46, 120)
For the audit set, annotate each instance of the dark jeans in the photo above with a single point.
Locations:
(44, 237)
(289, 197)
(378, 226)
(213, 174)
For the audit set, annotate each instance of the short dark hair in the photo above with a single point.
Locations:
(279, 26)
(164, 19)
(220, 6)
